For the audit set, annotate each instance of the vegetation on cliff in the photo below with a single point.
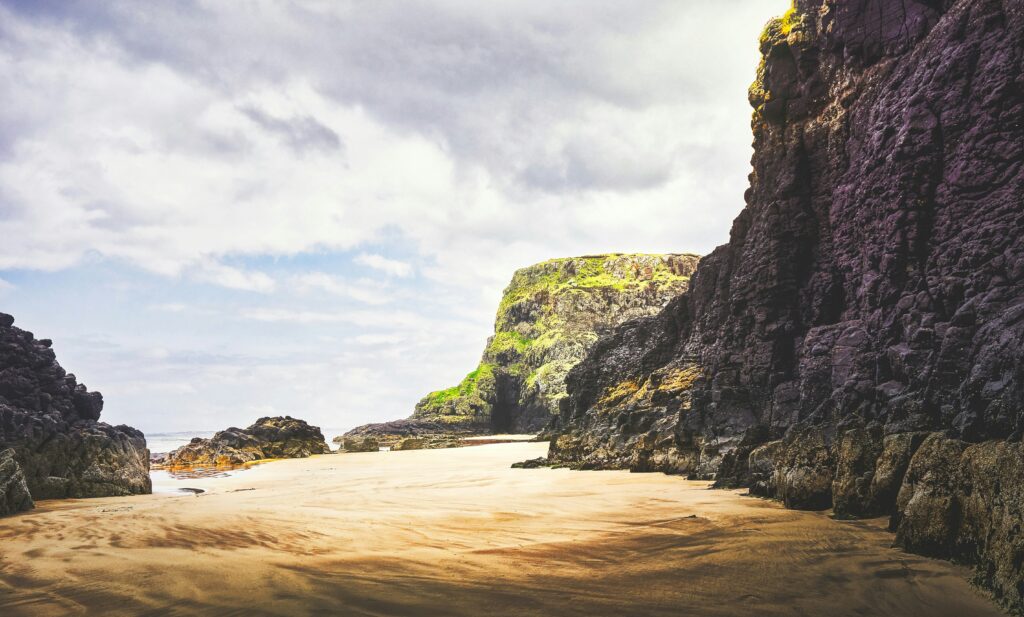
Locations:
(549, 316)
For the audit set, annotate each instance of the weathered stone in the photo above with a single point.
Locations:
(852, 287)
(992, 510)
(267, 438)
(353, 444)
(804, 471)
(761, 464)
(533, 463)
(890, 468)
(14, 495)
(927, 508)
(858, 453)
(411, 443)
(966, 501)
(49, 421)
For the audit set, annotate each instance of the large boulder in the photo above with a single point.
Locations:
(411, 443)
(927, 506)
(804, 471)
(991, 503)
(267, 438)
(858, 450)
(966, 502)
(358, 444)
(50, 423)
(14, 495)
(889, 470)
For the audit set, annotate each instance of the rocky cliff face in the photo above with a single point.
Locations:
(859, 342)
(550, 315)
(267, 438)
(51, 442)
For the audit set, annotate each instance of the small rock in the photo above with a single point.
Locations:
(532, 463)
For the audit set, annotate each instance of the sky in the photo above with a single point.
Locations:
(224, 210)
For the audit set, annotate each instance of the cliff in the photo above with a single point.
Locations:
(52, 444)
(267, 438)
(859, 342)
(549, 316)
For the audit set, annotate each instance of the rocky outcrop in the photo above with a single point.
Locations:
(859, 342)
(50, 424)
(14, 495)
(412, 443)
(549, 317)
(357, 444)
(268, 438)
(966, 502)
(430, 434)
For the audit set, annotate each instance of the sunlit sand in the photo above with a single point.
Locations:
(457, 532)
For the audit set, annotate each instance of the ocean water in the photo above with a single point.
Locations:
(163, 443)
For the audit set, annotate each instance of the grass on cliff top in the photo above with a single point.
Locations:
(788, 21)
(779, 28)
(590, 272)
(470, 385)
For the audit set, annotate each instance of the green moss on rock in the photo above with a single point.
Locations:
(482, 377)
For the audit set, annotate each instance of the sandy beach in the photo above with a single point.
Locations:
(457, 532)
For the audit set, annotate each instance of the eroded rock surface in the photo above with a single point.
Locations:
(267, 438)
(860, 339)
(14, 494)
(51, 424)
(357, 444)
(431, 435)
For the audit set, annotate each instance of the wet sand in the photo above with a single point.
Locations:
(456, 532)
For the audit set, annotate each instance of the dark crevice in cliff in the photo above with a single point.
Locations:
(506, 403)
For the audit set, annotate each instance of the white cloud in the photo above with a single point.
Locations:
(235, 278)
(362, 290)
(482, 138)
(292, 316)
(373, 340)
(394, 319)
(391, 267)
